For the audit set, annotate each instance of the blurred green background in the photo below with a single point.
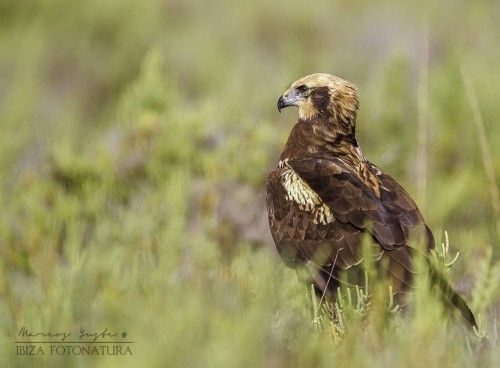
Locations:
(135, 138)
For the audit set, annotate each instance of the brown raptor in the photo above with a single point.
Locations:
(324, 197)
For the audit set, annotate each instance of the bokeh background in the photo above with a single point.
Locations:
(135, 138)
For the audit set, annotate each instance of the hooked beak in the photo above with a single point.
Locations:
(290, 98)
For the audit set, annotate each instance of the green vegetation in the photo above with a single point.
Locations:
(135, 137)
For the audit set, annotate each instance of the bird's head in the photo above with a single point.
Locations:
(322, 95)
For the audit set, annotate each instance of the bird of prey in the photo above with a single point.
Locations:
(324, 197)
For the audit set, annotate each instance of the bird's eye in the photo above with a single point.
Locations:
(302, 88)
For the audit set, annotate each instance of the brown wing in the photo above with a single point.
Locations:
(299, 239)
(393, 218)
(402, 206)
(390, 218)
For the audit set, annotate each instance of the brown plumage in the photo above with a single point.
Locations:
(324, 197)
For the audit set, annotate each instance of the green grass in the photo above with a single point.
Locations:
(135, 138)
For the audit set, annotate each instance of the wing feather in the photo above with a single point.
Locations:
(389, 218)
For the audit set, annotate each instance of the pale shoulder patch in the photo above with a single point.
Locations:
(307, 199)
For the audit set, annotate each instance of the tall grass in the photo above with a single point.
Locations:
(485, 147)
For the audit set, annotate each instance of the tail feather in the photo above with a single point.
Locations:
(450, 297)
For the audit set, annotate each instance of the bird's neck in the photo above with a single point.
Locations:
(317, 137)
